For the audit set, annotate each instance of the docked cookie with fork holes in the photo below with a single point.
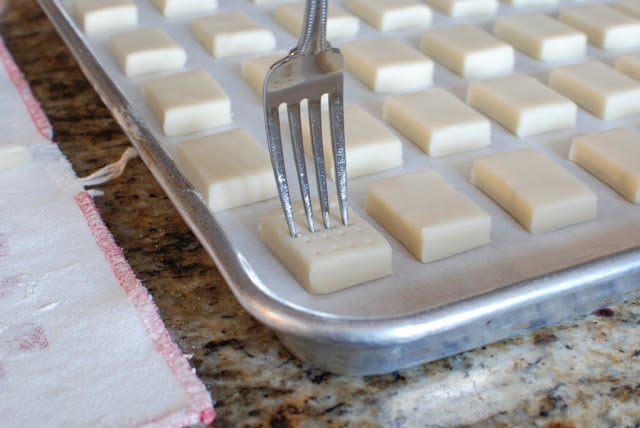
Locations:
(328, 260)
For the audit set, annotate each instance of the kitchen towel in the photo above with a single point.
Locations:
(81, 341)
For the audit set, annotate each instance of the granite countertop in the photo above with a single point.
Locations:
(585, 373)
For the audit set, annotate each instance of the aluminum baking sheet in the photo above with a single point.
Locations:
(423, 311)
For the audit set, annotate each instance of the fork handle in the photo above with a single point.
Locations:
(313, 37)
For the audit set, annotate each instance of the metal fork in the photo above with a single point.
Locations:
(311, 69)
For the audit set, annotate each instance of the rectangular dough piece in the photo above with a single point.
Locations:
(465, 8)
(186, 102)
(598, 88)
(427, 215)
(231, 34)
(254, 70)
(437, 122)
(522, 104)
(370, 146)
(541, 37)
(185, 7)
(629, 64)
(612, 156)
(468, 51)
(392, 15)
(13, 155)
(328, 260)
(388, 65)
(536, 191)
(95, 16)
(146, 50)
(606, 27)
(229, 169)
(340, 23)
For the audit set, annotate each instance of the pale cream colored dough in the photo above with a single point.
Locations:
(612, 156)
(254, 70)
(427, 215)
(12, 155)
(231, 34)
(468, 51)
(629, 64)
(465, 8)
(598, 88)
(541, 37)
(340, 23)
(392, 15)
(187, 102)
(536, 191)
(146, 51)
(629, 7)
(522, 104)
(185, 7)
(95, 16)
(437, 122)
(328, 260)
(370, 146)
(388, 65)
(606, 27)
(229, 169)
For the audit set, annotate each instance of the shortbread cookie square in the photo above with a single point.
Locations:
(535, 190)
(465, 8)
(628, 7)
(541, 37)
(95, 16)
(146, 51)
(228, 169)
(426, 214)
(598, 88)
(437, 122)
(392, 15)
(388, 65)
(629, 64)
(231, 34)
(522, 104)
(606, 27)
(328, 260)
(185, 7)
(188, 101)
(255, 69)
(612, 156)
(340, 23)
(370, 146)
(468, 51)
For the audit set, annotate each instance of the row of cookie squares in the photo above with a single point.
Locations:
(148, 50)
(431, 218)
(96, 16)
(233, 168)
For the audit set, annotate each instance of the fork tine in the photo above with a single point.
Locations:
(315, 124)
(336, 113)
(295, 127)
(274, 139)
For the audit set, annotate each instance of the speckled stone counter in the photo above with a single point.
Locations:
(586, 373)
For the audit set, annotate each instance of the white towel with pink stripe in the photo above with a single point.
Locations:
(81, 342)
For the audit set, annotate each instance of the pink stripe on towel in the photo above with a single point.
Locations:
(38, 117)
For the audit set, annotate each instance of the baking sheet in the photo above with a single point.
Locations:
(372, 315)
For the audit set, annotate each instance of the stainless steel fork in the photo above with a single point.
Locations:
(311, 70)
